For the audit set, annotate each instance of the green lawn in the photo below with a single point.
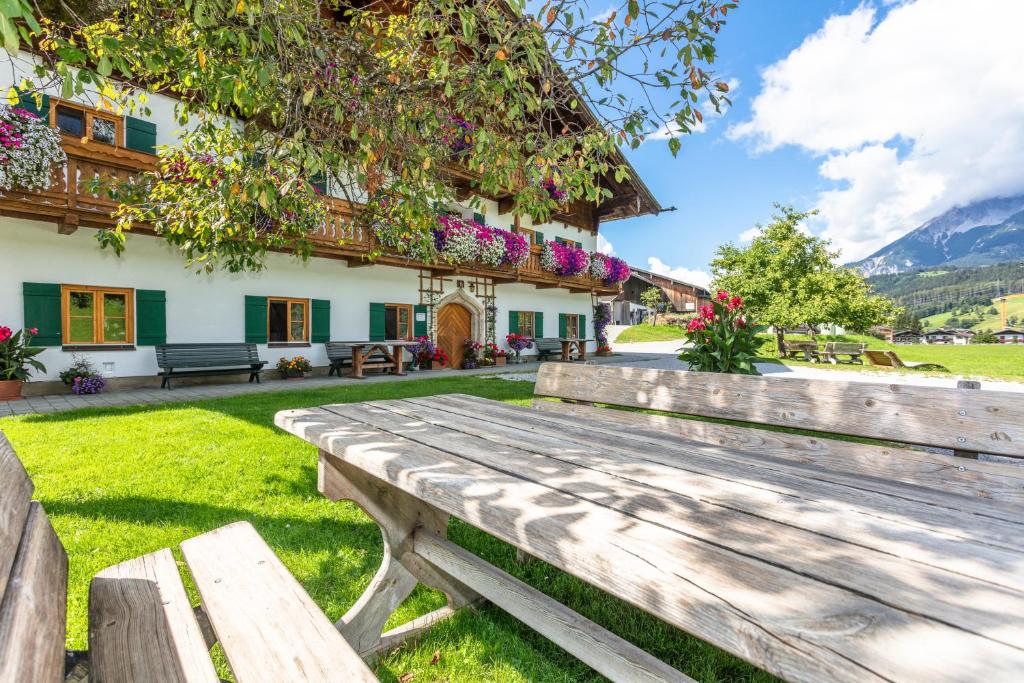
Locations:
(650, 333)
(121, 482)
(990, 361)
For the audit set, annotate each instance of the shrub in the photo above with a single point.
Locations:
(987, 337)
(721, 338)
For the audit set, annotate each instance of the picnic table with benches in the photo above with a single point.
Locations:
(852, 350)
(367, 355)
(195, 360)
(794, 349)
(811, 557)
(142, 626)
(562, 347)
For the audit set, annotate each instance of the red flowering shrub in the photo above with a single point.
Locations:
(721, 338)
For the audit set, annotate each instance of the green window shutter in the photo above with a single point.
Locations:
(320, 326)
(42, 310)
(319, 181)
(559, 240)
(583, 327)
(513, 322)
(561, 326)
(28, 103)
(479, 218)
(538, 324)
(377, 322)
(150, 317)
(139, 135)
(255, 320)
(419, 327)
(539, 236)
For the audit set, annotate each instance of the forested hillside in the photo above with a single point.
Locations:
(943, 289)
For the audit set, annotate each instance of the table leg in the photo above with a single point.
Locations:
(398, 515)
(398, 353)
(566, 354)
(357, 362)
(581, 346)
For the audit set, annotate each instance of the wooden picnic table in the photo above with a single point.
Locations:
(809, 350)
(810, 572)
(391, 349)
(579, 345)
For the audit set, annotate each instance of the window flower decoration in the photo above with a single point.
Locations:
(566, 260)
(29, 150)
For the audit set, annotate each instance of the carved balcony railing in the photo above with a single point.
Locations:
(70, 204)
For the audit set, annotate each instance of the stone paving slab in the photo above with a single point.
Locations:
(52, 403)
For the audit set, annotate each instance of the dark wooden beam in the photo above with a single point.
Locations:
(69, 225)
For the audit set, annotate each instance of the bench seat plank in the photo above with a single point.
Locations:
(993, 481)
(982, 421)
(15, 496)
(33, 614)
(269, 627)
(142, 627)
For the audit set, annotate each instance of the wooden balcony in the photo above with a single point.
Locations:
(70, 205)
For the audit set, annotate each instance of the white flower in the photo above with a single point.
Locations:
(29, 149)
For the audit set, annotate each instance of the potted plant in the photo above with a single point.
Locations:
(294, 368)
(423, 353)
(439, 359)
(17, 361)
(722, 338)
(82, 377)
(471, 354)
(518, 343)
(494, 354)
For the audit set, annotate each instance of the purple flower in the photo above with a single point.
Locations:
(563, 259)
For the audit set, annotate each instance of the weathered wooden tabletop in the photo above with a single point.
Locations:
(810, 573)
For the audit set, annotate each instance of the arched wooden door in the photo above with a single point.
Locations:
(454, 327)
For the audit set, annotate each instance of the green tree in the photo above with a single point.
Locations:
(905, 320)
(417, 103)
(654, 299)
(788, 277)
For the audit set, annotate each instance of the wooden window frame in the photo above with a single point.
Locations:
(90, 113)
(97, 315)
(288, 301)
(572, 320)
(408, 308)
(532, 317)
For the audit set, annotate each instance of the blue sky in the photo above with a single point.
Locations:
(857, 117)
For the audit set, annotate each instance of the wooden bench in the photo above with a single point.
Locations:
(809, 350)
(852, 350)
(142, 626)
(963, 421)
(194, 360)
(339, 353)
(890, 359)
(548, 346)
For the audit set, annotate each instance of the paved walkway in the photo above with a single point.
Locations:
(52, 403)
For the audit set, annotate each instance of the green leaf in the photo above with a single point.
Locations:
(674, 146)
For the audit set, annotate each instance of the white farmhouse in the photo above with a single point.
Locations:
(115, 309)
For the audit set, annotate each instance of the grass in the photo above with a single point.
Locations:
(1014, 307)
(985, 361)
(650, 333)
(121, 482)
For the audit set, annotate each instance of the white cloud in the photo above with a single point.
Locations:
(604, 246)
(911, 113)
(700, 278)
(749, 234)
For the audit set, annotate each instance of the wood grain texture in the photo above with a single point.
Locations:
(34, 609)
(15, 496)
(796, 626)
(594, 645)
(269, 627)
(142, 626)
(983, 421)
(454, 327)
(993, 481)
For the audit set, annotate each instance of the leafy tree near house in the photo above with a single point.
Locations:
(654, 299)
(905, 320)
(401, 99)
(788, 277)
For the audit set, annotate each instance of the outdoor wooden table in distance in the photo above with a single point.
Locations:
(808, 349)
(392, 349)
(579, 344)
(807, 572)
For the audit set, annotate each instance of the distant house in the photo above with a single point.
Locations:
(678, 296)
(906, 337)
(940, 336)
(963, 337)
(1009, 336)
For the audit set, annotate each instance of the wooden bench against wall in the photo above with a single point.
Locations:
(142, 627)
(965, 422)
(197, 360)
(548, 346)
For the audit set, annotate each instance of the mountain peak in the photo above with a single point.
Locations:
(981, 233)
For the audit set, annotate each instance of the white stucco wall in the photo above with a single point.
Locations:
(211, 307)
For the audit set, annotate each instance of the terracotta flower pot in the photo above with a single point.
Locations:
(10, 389)
(499, 360)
